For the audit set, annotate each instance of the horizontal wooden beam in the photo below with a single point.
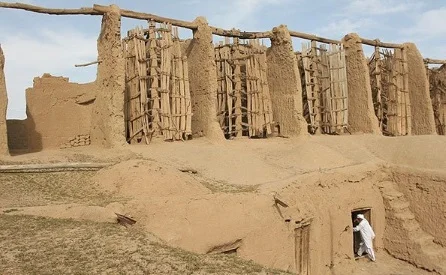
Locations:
(240, 34)
(21, 6)
(52, 167)
(378, 43)
(314, 37)
(99, 10)
(149, 16)
(434, 61)
(88, 64)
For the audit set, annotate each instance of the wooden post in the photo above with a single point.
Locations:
(407, 106)
(378, 66)
(316, 92)
(154, 79)
(237, 89)
(397, 83)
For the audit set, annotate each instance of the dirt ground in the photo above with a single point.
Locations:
(64, 222)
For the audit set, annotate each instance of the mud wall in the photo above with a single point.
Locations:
(285, 84)
(3, 107)
(107, 123)
(17, 136)
(426, 193)
(263, 231)
(57, 111)
(203, 82)
(328, 200)
(421, 105)
(361, 115)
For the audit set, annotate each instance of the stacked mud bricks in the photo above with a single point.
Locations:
(77, 141)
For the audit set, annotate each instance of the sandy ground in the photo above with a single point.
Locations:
(386, 265)
(240, 165)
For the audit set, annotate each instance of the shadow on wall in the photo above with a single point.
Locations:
(34, 137)
(17, 136)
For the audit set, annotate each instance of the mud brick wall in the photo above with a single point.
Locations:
(57, 110)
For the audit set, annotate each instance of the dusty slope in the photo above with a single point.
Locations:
(234, 177)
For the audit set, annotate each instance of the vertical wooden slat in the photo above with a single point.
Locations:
(154, 78)
(405, 72)
(397, 82)
(306, 55)
(378, 87)
(187, 99)
(315, 85)
(344, 94)
(237, 89)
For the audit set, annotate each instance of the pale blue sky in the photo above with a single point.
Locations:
(36, 43)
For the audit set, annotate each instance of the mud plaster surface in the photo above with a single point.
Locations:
(107, 126)
(426, 193)
(361, 116)
(203, 82)
(56, 111)
(3, 107)
(285, 84)
(421, 105)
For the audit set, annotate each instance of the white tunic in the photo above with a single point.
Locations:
(367, 233)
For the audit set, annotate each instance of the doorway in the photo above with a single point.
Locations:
(367, 212)
(302, 249)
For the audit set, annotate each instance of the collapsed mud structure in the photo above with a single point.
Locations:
(286, 203)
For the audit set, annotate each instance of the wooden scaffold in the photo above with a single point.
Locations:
(243, 98)
(325, 93)
(157, 95)
(437, 83)
(390, 91)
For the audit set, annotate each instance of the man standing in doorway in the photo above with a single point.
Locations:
(367, 236)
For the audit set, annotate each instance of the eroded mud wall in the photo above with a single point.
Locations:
(57, 111)
(421, 105)
(107, 124)
(3, 107)
(203, 82)
(263, 231)
(361, 115)
(285, 84)
(426, 193)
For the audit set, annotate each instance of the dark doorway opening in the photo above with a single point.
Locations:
(367, 212)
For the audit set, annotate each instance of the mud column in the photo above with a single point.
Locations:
(361, 115)
(203, 82)
(423, 122)
(285, 84)
(107, 125)
(3, 106)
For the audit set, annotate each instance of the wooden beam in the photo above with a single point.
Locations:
(99, 10)
(88, 64)
(52, 167)
(314, 37)
(20, 6)
(377, 43)
(148, 16)
(434, 61)
(240, 34)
